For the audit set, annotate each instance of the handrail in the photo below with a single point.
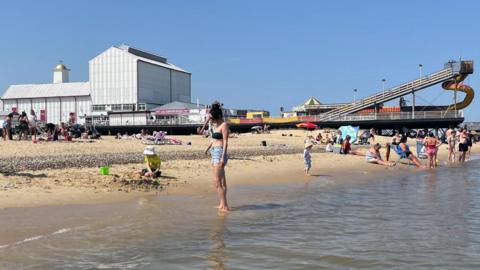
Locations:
(392, 93)
(317, 118)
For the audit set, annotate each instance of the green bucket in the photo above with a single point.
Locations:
(104, 170)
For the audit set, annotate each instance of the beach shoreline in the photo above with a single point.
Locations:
(185, 170)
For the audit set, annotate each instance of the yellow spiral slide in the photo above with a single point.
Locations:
(457, 84)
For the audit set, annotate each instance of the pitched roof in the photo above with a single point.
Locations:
(312, 102)
(73, 89)
(148, 57)
(178, 105)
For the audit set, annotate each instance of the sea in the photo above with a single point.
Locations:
(423, 220)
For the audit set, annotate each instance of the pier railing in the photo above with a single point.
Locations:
(393, 116)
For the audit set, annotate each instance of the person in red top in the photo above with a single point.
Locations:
(347, 147)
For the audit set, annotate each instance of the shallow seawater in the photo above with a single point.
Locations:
(420, 221)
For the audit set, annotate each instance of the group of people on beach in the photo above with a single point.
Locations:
(25, 126)
(427, 146)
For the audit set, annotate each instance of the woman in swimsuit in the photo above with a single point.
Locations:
(218, 150)
(373, 156)
(452, 143)
(431, 144)
(462, 145)
(404, 151)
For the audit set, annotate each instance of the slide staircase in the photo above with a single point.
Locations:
(451, 70)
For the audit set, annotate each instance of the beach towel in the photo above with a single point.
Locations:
(349, 130)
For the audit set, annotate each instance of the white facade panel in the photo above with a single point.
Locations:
(84, 106)
(128, 119)
(115, 120)
(8, 105)
(113, 78)
(68, 106)
(53, 110)
(24, 105)
(140, 119)
(38, 104)
(181, 90)
(154, 85)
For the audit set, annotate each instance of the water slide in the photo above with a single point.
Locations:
(457, 84)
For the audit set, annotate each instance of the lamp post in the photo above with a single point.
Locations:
(354, 95)
(420, 68)
(383, 87)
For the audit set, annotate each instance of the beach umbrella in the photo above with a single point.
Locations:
(349, 130)
(307, 125)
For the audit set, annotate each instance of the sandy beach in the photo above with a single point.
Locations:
(57, 173)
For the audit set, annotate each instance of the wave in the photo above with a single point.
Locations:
(37, 237)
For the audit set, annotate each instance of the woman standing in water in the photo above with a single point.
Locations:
(218, 151)
(462, 145)
(432, 144)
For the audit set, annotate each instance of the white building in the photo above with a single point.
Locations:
(120, 79)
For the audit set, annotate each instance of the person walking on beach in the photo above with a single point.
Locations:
(431, 144)
(452, 144)
(307, 157)
(219, 153)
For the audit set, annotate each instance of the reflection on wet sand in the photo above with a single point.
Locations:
(216, 254)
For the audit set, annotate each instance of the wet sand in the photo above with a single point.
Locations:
(74, 176)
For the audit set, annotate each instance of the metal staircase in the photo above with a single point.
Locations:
(450, 71)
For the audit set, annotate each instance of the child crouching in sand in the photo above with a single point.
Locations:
(307, 157)
(153, 163)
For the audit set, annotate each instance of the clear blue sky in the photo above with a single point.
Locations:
(255, 54)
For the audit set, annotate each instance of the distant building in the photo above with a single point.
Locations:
(312, 107)
(121, 79)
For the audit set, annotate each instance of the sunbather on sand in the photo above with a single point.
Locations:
(404, 151)
(373, 156)
(347, 147)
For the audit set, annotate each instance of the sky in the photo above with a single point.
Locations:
(251, 54)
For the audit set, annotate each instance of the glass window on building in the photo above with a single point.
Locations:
(116, 107)
(98, 108)
(128, 107)
(142, 107)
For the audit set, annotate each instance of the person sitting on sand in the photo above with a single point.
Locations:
(431, 144)
(373, 156)
(307, 157)
(404, 151)
(63, 130)
(347, 147)
(153, 162)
